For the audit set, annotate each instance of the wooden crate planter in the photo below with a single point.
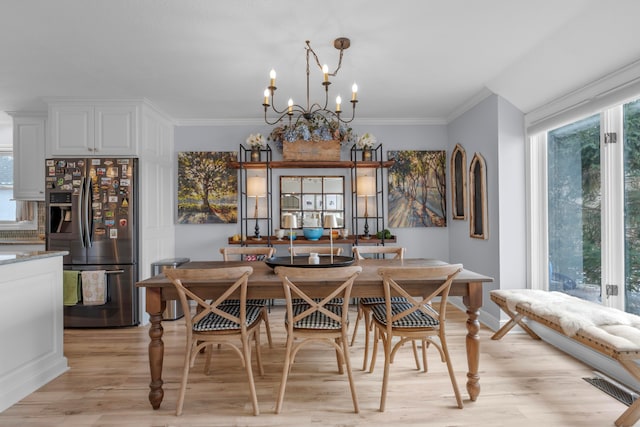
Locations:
(311, 150)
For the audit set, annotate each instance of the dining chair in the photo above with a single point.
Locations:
(364, 304)
(218, 323)
(317, 320)
(414, 320)
(323, 250)
(251, 253)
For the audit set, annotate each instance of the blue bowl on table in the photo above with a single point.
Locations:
(313, 233)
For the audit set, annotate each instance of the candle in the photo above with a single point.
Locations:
(338, 102)
(290, 106)
(266, 97)
(325, 71)
(354, 92)
(272, 76)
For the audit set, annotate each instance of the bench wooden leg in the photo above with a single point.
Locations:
(516, 319)
(631, 416)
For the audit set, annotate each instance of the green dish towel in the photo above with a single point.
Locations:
(71, 291)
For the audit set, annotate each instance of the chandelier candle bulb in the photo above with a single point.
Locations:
(338, 102)
(266, 98)
(325, 71)
(290, 106)
(354, 92)
(272, 78)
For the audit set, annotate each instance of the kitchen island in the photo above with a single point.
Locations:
(31, 322)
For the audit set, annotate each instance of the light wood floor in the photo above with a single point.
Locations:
(524, 383)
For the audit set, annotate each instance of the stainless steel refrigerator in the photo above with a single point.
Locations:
(91, 212)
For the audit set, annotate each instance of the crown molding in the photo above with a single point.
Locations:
(472, 102)
(408, 121)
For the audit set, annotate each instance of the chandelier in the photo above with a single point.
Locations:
(312, 110)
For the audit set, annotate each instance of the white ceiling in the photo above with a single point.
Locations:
(209, 60)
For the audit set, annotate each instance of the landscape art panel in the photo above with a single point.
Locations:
(417, 189)
(207, 188)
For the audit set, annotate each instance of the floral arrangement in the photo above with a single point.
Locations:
(315, 128)
(366, 141)
(256, 141)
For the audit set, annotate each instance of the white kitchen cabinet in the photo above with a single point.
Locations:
(28, 155)
(93, 129)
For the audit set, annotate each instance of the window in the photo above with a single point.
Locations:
(585, 202)
(14, 215)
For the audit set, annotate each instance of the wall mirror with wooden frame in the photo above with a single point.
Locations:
(478, 198)
(458, 171)
(309, 198)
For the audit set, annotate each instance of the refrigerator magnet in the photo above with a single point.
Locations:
(123, 222)
(113, 233)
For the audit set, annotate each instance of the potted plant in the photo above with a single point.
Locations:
(366, 143)
(313, 138)
(256, 142)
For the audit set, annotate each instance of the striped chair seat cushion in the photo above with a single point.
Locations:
(316, 320)
(417, 319)
(380, 300)
(256, 302)
(214, 322)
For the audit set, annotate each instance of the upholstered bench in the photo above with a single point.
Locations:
(609, 331)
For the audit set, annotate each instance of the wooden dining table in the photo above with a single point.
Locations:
(264, 283)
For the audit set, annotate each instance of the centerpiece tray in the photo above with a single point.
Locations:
(303, 261)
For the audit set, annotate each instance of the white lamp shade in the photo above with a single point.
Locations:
(256, 186)
(366, 186)
(289, 221)
(330, 221)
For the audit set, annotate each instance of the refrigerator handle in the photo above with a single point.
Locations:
(79, 213)
(89, 222)
(86, 209)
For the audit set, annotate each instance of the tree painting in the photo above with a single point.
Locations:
(417, 189)
(207, 188)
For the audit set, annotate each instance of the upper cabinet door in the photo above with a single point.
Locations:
(116, 130)
(72, 130)
(28, 156)
(93, 129)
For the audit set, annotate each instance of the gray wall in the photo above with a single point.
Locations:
(495, 129)
(201, 242)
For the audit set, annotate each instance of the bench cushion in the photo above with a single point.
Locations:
(604, 325)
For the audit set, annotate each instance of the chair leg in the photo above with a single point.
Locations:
(258, 352)
(347, 362)
(414, 346)
(339, 357)
(185, 378)
(285, 374)
(366, 318)
(385, 377)
(374, 351)
(246, 350)
(425, 345)
(265, 318)
(355, 326)
(454, 383)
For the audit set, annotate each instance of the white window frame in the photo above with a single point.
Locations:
(19, 225)
(612, 202)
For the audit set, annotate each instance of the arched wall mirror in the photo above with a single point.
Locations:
(478, 198)
(458, 171)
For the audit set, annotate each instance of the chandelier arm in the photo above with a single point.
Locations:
(277, 120)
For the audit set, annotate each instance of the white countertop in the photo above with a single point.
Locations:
(8, 257)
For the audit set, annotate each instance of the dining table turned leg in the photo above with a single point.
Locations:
(473, 302)
(155, 308)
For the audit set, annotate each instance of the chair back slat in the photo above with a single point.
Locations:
(340, 279)
(397, 251)
(242, 252)
(184, 279)
(394, 276)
